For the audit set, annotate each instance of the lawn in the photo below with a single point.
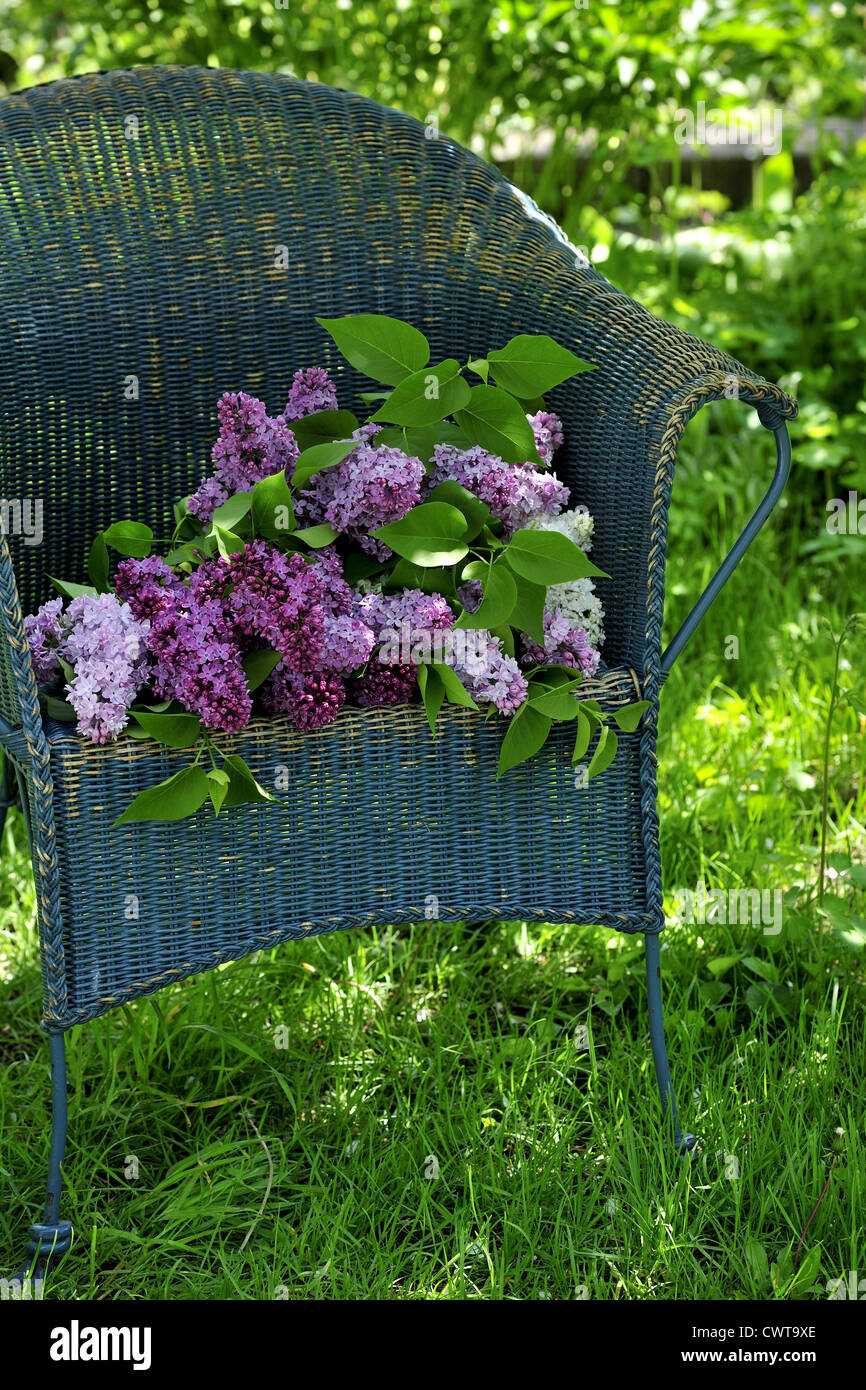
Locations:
(470, 1111)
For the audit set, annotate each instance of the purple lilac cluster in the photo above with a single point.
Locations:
(547, 429)
(516, 494)
(250, 446)
(371, 487)
(564, 645)
(405, 626)
(490, 675)
(197, 661)
(105, 644)
(311, 390)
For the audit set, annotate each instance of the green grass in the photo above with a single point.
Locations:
(309, 1170)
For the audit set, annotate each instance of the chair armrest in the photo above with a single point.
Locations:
(738, 549)
(21, 729)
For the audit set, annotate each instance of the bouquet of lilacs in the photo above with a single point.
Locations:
(428, 552)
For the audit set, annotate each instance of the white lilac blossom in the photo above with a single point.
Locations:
(576, 600)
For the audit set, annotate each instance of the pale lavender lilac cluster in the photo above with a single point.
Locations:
(103, 642)
(517, 494)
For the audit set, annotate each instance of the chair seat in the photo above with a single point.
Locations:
(377, 824)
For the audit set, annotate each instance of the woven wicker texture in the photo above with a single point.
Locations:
(145, 216)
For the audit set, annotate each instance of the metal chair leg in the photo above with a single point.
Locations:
(51, 1237)
(684, 1142)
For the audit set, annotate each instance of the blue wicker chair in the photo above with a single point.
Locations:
(142, 214)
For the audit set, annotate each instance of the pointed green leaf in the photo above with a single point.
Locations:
(455, 691)
(227, 542)
(548, 557)
(496, 421)
(586, 727)
(232, 511)
(605, 752)
(528, 613)
(560, 703)
(273, 512)
(476, 512)
(481, 367)
(258, 665)
(525, 736)
(174, 730)
(533, 363)
(425, 397)
(432, 693)
(69, 590)
(179, 796)
(218, 785)
(97, 564)
(129, 538)
(317, 536)
(243, 786)
(630, 716)
(320, 456)
(383, 348)
(498, 596)
(323, 425)
(430, 534)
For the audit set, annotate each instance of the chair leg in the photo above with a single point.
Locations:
(51, 1237)
(8, 791)
(685, 1143)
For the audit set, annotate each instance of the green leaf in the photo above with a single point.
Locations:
(258, 665)
(97, 564)
(322, 426)
(476, 512)
(432, 693)
(526, 734)
(605, 752)
(560, 703)
(425, 397)
(317, 536)
(232, 511)
(418, 443)
(455, 691)
(174, 730)
(533, 363)
(273, 512)
(357, 566)
(586, 727)
(506, 638)
(756, 1258)
(433, 533)
(218, 785)
(720, 965)
(69, 590)
(227, 542)
(548, 557)
(496, 421)
(383, 348)
(481, 367)
(630, 716)
(60, 710)
(243, 786)
(129, 538)
(179, 796)
(435, 580)
(528, 614)
(498, 596)
(320, 456)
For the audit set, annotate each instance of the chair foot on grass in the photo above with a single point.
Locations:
(51, 1237)
(684, 1143)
